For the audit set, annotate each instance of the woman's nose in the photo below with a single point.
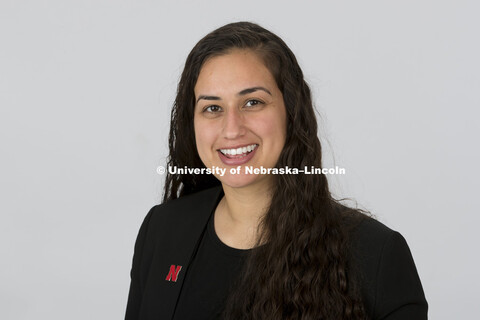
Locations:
(233, 125)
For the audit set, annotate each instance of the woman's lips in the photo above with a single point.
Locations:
(237, 159)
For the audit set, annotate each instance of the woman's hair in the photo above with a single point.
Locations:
(301, 270)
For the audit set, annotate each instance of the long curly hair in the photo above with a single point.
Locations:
(302, 269)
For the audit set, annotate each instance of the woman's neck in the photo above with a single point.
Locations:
(239, 213)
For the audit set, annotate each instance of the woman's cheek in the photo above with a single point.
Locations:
(205, 139)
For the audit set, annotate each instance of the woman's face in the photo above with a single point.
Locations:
(240, 117)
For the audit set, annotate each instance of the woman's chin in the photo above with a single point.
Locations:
(239, 181)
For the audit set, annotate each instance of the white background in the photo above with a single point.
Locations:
(85, 94)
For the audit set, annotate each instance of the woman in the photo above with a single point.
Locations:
(239, 245)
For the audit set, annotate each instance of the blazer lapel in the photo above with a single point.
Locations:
(183, 224)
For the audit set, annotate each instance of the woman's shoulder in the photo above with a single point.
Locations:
(179, 221)
(384, 265)
(191, 209)
(371, 233)
(187, 204)
(364, 230)
(370, 240)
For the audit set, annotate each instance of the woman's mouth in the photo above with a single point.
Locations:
(237, 156)
(238, 152)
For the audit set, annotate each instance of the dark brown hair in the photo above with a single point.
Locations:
(302, 269)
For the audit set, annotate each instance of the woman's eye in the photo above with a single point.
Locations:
(212, 109)
(253, 102)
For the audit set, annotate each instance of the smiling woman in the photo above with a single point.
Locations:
(259, 246)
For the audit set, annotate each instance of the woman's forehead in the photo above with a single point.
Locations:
(233, 72)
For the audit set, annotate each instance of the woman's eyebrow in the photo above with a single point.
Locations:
(250, 90)
(208, 98)
(241, 93)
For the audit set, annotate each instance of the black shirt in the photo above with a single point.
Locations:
(209, 278)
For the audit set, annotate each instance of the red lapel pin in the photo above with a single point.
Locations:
(173, 273)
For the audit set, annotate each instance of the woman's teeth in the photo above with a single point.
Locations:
(239, 151)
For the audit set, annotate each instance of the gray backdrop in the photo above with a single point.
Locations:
(85, 95)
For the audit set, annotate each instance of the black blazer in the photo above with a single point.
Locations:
(170, 233)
